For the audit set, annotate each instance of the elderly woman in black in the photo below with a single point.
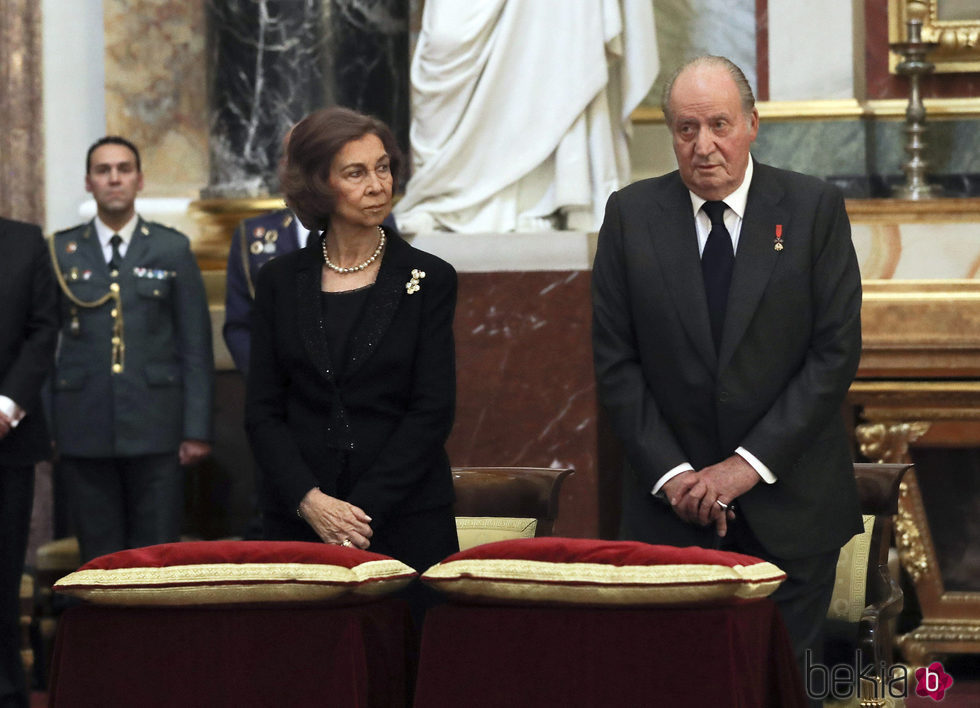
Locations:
(351, 390)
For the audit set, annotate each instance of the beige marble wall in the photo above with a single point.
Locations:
(930, 239)
(21, 139)
(918, 251)
(156, 91)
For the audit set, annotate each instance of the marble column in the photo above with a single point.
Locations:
(272, 61)
(370, 60)
(265, 71)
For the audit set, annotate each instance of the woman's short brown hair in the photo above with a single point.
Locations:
(311, 147)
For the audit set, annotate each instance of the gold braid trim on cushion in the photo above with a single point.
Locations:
(234, 582)
(594, 583)
(381, 576)
(208, 594)
(210, 573)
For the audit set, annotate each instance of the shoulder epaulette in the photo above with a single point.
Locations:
(70, 228)
(165, 227)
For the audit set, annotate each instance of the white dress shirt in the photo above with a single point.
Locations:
(10, 409)
(105, 235)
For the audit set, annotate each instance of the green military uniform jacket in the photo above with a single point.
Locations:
(134, 364)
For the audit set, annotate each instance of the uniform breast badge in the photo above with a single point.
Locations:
(777, 243)
(256, 247)
(154, 273)
(71, 247)
(271, 236)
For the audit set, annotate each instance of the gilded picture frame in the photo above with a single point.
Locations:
(953, 24)
(935, 424)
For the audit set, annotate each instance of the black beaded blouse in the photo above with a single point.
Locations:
(341, 312)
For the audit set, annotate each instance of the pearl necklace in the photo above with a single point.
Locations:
(353, 269)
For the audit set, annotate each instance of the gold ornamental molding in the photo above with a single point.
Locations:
(217, 219)
(912, 211)
(889, 442)
(921, 329)
(238, 206)
(955, 28)
(949, 632)
(899, 417)
(908, 539)
(902, 401)
(840, 109)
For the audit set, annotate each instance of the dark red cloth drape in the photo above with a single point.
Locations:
(283, 655)
(735, 655)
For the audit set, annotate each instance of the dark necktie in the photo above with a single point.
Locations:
(116, 262)
(717, 264)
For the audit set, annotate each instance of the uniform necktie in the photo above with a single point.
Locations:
(116, 261)
(717, 264)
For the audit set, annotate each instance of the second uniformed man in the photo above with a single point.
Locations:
(255, 242)
(133, 385)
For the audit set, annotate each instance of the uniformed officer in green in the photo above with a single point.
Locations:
(133, 386)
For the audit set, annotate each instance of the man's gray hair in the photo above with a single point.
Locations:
(741, 83)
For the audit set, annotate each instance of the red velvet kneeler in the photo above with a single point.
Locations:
(732, 655)
(268, 655)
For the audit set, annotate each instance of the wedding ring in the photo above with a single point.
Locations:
(347, 543)
(722, 504)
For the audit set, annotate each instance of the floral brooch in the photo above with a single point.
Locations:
(412, 286)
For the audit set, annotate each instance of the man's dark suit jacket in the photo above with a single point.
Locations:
(28, 332)
(389, 407)
(789, 351)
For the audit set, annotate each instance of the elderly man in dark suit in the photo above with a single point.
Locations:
(28, 332)
(133, 384)
(726, 332)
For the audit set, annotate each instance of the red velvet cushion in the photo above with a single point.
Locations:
(587, 571)
(208, 572)
(195, 552)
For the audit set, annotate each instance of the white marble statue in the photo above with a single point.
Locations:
(521, 112)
